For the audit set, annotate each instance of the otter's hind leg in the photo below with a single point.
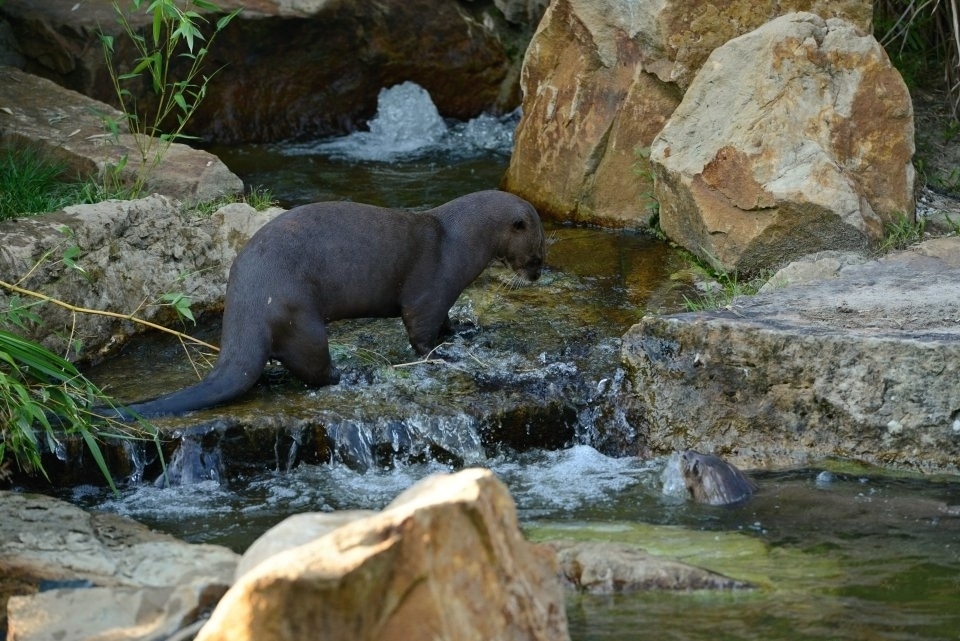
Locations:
(305, 352)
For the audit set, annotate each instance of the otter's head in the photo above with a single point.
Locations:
(523, 246)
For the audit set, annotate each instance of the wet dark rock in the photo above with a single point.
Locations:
(306, 69)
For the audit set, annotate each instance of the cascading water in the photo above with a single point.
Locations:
(408, 157)
(846, 554)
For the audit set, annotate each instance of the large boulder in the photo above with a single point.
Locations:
(445, 560)
(807, 147)
(861, 362)
(131, 252)
(301, 69)
(72, 575)
(600, 79)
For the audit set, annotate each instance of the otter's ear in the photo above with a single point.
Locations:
(519, 224)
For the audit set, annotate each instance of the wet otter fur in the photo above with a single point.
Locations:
(333, 260)
(711, 480)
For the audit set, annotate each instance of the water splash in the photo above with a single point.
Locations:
(408, 126)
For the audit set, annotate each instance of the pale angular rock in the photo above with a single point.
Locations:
(109, 614)
(863, 365)
(295, 531)
(589, 108)
(809, 147)
(599, 80)
(445, 560)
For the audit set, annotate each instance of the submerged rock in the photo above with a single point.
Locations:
(607, 567)
(446, 559)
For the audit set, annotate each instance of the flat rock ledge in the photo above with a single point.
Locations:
(839, 357)
(68, 574)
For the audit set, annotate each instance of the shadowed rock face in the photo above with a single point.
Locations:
(302, 71)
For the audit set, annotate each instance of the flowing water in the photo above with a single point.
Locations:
(836, 552)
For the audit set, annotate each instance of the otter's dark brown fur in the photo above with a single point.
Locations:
(711, 480)
(332, 260)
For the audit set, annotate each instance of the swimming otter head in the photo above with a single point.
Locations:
(522, 245)
(711, 480)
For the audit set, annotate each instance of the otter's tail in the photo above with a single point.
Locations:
(221, 385)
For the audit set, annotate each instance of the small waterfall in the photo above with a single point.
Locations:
(407, 125)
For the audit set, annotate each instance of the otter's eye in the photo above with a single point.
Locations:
(520, 224)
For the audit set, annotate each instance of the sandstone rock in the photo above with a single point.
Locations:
(588, 108)
(865, 365)
(444, 560)
(131, 253)
(810, 147)
(602, 567)
(295, 531)
(128, 578)
(300, 69)
(599, 81)
(70, 127)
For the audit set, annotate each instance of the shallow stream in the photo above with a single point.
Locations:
(836, 552)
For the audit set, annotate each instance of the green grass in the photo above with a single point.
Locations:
(32, 183)
(901, 233)
(721, 286)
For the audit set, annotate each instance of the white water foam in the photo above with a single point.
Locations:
(407, 125)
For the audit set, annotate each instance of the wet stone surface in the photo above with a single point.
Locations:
(531, 366)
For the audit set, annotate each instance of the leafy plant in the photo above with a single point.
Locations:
(642, 169)
(175, 35)
(43, 399)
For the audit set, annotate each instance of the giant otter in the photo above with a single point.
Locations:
(332, 260)
(711, 480)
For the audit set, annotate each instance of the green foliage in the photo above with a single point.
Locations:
(719, 286)
(922, 40)
(44, 399)
(32, 182)
(175, 37)
(259, 198)
(954, 224)
(641, 168)
(902, 233)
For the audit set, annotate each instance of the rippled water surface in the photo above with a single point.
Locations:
(843, 553)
